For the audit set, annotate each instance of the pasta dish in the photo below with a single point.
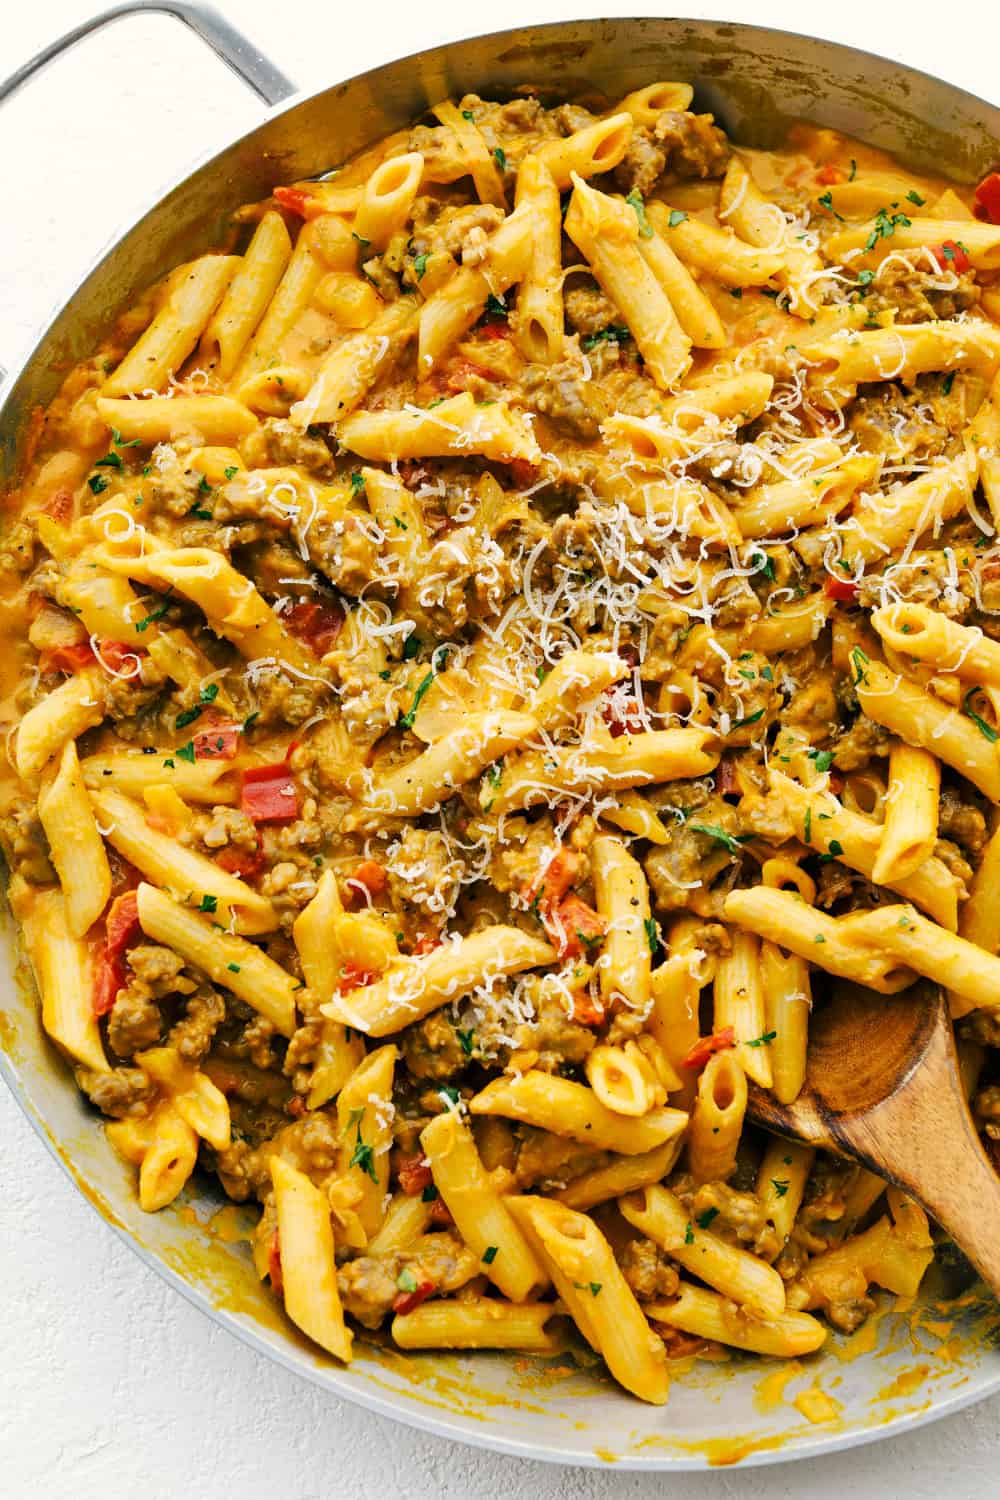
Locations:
(484, 652)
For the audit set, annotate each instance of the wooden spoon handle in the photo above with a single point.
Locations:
(923, 1138)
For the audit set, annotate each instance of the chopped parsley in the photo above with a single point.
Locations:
(360, 239)
(357, 483)
(490, 1254)
(914, 197)
(250, 721)
(406, 1281)
(826, 201)
(948, 382)
(109, 461)
(98, 484)
(763, 1040)
(859, 661)
(186, 752)
(865, 278)
(420, 265)
(688, 1234)
(821, 759)
(615, 333)
(652, 938)
(364, 1157)
(885, 225)
(986, 730)
(635, 200)
(677, 216)
(728, 841)
(593, 1287)
(230, 472)
(468, 115)
(500, 157)
(188, 715)
(780, 1185)
(705, 1219)
(411, 646)
(405, 721)
(765, 565)
(429, 1193)
(450, 1095)
(153, 616)
(807, 829)
(209, 903)
(750, 719)
(233, 968)
(495, 307)
(466, 1039)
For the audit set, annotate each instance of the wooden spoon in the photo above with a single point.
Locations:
(883, 1088)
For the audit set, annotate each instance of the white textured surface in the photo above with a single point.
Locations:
(110, 1382)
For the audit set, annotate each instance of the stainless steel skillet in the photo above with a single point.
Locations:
(756, 81)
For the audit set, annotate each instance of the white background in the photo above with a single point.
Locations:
(109, 1382)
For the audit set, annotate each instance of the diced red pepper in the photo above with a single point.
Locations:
(573, 927)
(707, 1045)
(317, 624)
(296, 200)
(269, 794)
(986, 204)
(460, 371)
(120, 931)
(371, 875)
(407, 1301)
(67, 658)
(218, 742)
(830, 175)
(296, 1107)
(843, 589)
(414, 1175)
(274, 1263)
(951, 256)
(495, 328)
(244, 863)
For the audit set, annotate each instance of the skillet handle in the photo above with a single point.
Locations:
(235, 50)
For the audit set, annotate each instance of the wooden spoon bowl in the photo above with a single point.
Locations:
(883, 1088)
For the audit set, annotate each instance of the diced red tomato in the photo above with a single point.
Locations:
(440, 1214)
(120, 931)
(371, 875)
(586, 1010)
(951, 256)
(274, 1263)
(317, 624)
(426, 943)
(354, 978)
(843, 589)
(523, 472)
(620, 714)
(559, 874)
(118, 657)
(244, 863)
(495, 328)
(122, 925)
(296, 1107)
(217, 742)
(830, 175)
(707, 1045)
(296, 200)
(986, 204)
(60, 505)
(407, 1301)
(460, 371)
(573, 927)
(67, 658)
(269, 794)
(414, 1174)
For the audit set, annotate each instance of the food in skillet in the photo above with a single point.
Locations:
(482, 658)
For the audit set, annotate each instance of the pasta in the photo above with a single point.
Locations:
(487, 653)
